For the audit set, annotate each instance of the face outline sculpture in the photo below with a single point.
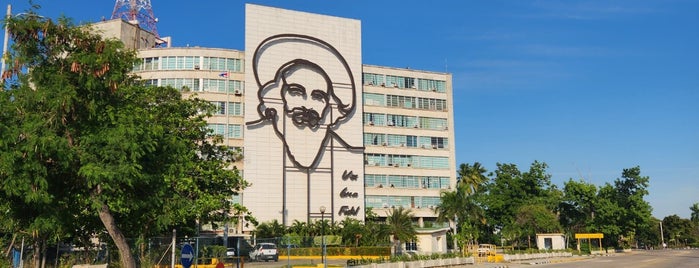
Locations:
(305, 93)
(299, 99)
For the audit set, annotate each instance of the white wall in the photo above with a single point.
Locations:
(267, 166)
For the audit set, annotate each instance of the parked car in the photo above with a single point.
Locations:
(264, 251)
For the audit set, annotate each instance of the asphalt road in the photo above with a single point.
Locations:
(636, 259)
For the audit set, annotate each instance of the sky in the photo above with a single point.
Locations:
(588, 87)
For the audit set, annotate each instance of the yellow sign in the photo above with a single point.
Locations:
(583, 236)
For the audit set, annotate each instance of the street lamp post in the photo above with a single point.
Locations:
(322, 236)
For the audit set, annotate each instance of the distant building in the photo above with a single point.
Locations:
(317, 127)
(551, 241)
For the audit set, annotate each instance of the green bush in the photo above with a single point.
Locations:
(337, 251)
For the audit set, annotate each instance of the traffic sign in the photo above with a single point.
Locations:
(187, 256)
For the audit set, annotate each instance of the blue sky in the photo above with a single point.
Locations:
(589, 87)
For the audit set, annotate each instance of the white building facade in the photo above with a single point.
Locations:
(317, 127)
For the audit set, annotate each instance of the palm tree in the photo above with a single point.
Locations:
(400, 225)
(299, 228)
(271, 229)
(695, 213)
(471, 177)
(461, 205)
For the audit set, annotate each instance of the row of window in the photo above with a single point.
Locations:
(381, 139)
(232, 131)
(199, 84)
(380, 201)
(406, 181)
(405, 102)
(404, 82)
(229, 108)
(394, 120)
(189, 63)
(417, 161)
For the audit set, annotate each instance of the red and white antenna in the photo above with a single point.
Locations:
(136, 11)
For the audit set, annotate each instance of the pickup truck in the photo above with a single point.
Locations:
(264, 251)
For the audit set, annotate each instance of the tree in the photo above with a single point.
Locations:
(621, 211)
(471, 177)
(578, 205)
(695, 213)
(376, 232)
(533, 219)
(678, 231)
(86, 148)
(460, 207)
(511, 189)
(351, 231)
(400, 226)
(271, 229)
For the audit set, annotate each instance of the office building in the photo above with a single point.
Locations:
(318, 128)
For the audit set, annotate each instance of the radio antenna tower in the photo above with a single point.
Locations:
(136, 11)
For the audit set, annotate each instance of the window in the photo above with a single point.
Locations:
(395, 140)
(179, 62)
(148, 64)
(435, 162)
(235, 108)
(374, 119)
(433, 123)
(411, 141)
(222, 85)
(438, 142)
(374, 180)
(150, 82)
(409, 82)
(235, 131)
(400, 101)
(374, 99)
(411, 245)
(232, 131)
(218, 129)
(376, 160)
(400, 160)
(402, 120)
(374, 139)
(222, 64)
(432, 104)
(395, 81)
(220, 107)
(431, 85)
(373, 79)
(183, 84)
(406, 181)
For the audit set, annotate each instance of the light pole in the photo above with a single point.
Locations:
(662, 237)
(322, 236)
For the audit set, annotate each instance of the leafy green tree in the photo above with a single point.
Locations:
(86, 148)
(400, 226)
(621, 210)
(377, 232)
(536, 218)
(577, 208)
(678, 231)
(511, 189)
(351, 231)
